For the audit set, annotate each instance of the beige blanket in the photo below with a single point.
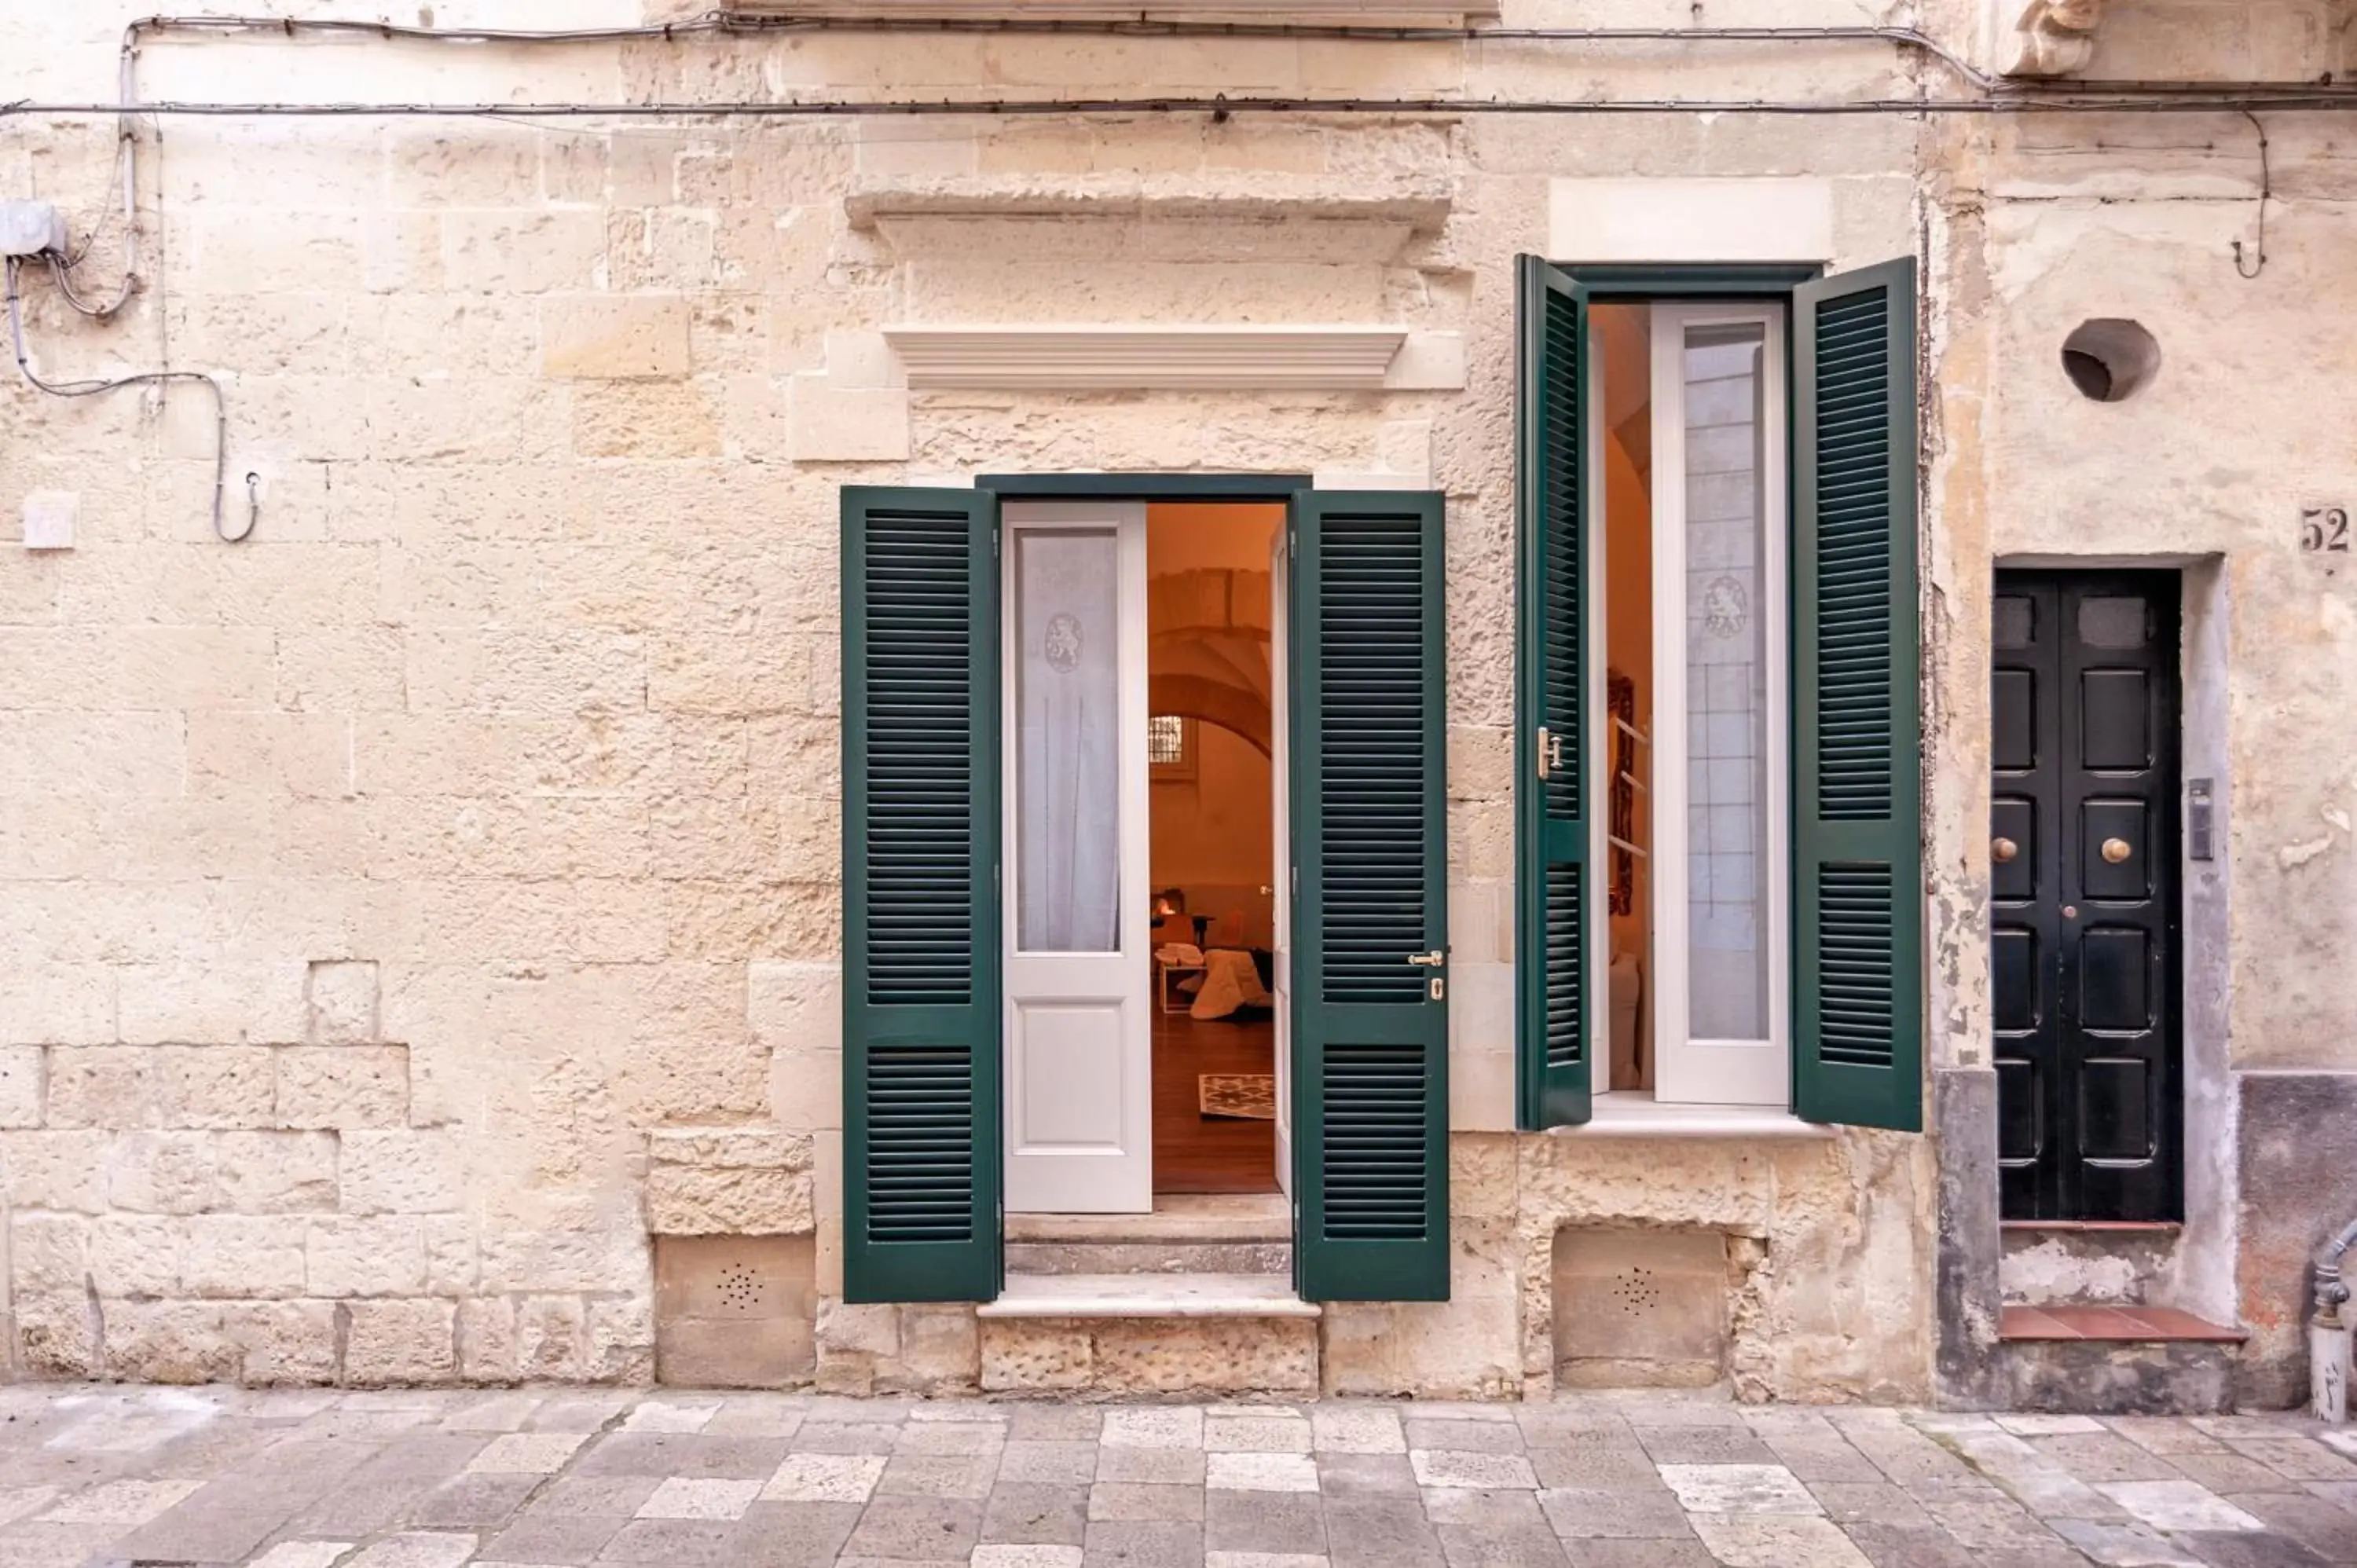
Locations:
(1230, 981)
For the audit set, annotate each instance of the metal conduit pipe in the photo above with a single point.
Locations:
(2328, 1331)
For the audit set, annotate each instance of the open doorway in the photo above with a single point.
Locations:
(1213, 745)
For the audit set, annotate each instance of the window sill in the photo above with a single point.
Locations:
(1637, 1115)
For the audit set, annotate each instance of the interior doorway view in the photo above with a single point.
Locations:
(1144, 968)
(1211, 744)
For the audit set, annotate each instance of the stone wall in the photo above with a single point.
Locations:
(377, 887)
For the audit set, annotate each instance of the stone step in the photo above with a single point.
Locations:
(1147, 1297)
(2092, 1359)
(1185, 1218)
(1149, 1258)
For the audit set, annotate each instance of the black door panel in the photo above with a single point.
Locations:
(2082, 884)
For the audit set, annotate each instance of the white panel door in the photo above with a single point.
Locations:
(1080, 1079)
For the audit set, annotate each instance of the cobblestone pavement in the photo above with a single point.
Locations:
(111, 1476)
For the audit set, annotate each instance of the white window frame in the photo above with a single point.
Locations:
(1688, 1071)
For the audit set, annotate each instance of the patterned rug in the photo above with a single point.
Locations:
(1237, 1096)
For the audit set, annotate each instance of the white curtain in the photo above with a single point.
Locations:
(1067, 696)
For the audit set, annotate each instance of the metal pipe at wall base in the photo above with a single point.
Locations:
(2328, 1331)
(2327, 1370)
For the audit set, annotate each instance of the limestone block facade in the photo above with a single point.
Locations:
(422, 913)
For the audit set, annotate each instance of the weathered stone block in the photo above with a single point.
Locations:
(453, 1262)
(549, 1336)
(486, 1329)
(241, 1255)
(277, 1173)
(398, 1342)
(644, 419)
(618, 1332)
(284, 1342)
(734, 1311)
(402, 1172)
(687, 1200)
(136, 1255)
(1160, 1356)
(940, 1349)
(343, 1086)
(341, 1002)
(614, 337)
(1641, 1308)
(214, 1085)
(1036, 1355)
(63, 1171)
(109, 1087)
(164, 1173)
(849, 424)
(384, 1256)
(48, 1251)
(170, 1342)
(20, 1086)
(57, 1335)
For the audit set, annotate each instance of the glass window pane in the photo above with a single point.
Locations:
(1068, 771)
(1726, 685)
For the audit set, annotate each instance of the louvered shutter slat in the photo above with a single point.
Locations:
(1369, 758)
(1857, 856)
(1553, 892)
(921, 990)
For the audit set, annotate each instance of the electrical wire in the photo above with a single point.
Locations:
(145, 378)
(2266, 189)
(125, 179)
(1217, 104)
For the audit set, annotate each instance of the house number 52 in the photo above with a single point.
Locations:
(2324, 529)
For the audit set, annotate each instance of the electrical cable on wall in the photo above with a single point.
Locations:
(2266, 189)
(145, 378)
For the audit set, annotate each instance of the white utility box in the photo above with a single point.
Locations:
(28, 228)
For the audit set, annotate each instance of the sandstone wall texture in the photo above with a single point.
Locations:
(407, 914)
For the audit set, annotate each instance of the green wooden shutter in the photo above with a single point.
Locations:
(1554, 892)
(1368, 770)
(1857, 874)
(921, 985)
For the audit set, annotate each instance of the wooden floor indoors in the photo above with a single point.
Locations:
(1195, 1153)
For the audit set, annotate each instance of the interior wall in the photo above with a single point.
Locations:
(1625, 397)
(1213, 835)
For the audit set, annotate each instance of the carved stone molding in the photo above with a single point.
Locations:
(2054, 37)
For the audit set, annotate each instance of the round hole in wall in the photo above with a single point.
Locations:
(2109, 357)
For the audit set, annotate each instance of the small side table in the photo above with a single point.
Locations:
(1172, 1001)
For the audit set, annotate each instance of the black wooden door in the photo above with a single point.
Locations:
(2082, 884)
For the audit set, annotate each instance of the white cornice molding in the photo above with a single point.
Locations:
(1100, 358)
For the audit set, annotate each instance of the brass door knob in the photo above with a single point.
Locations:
(2003, 850)
(2115, 850)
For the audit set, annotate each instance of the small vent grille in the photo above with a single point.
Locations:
(1567, 1002)
(1376, 1169)
(1854, 545)
(741, 1290)
(920, 757)
(1854, 964)
(1636, 1291)
(1561, 565)
(1372, 743)
(920, 1143)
